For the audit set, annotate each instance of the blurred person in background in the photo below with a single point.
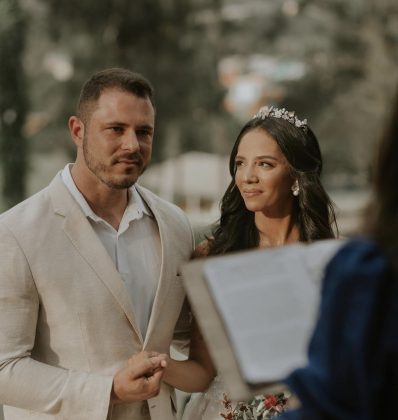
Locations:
(352, 371)
(88, 276)
(275, 198)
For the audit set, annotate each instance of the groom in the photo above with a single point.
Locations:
(89, 272)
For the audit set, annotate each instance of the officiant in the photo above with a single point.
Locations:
(352, 371)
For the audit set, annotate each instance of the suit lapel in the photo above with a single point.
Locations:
(81, 234)
(165, 268)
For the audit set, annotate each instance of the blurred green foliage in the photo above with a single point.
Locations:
(13, 102)
(158, 39)
(48, 48)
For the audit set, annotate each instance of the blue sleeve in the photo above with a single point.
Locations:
(354, 342)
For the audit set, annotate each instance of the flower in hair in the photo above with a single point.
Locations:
(270, 111)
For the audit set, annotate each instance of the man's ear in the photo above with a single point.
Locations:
(76, 128)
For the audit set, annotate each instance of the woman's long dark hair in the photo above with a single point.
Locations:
(236, 229)
(381, 222)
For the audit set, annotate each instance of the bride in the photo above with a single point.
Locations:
(275, 198)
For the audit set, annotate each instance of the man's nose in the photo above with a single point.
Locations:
(130, 142)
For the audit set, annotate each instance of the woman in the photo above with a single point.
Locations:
(280, 154)
(275, 198)
(353, 357)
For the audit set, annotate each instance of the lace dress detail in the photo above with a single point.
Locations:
(207, 405)
(212, 404)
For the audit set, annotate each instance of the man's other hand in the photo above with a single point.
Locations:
(140, 379)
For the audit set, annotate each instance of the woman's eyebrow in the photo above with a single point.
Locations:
(257, 157)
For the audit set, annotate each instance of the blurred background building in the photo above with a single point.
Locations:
(213, 63)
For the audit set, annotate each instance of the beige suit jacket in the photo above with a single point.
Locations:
(67, 324)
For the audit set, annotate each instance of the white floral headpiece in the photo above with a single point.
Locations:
(270, 111)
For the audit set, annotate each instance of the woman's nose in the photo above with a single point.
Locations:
(250, 175)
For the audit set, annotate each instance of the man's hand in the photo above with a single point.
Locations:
(141, 378)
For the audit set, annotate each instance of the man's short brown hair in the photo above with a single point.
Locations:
(113, 78)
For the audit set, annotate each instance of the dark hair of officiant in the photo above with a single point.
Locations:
(313, 209)
(382, 216)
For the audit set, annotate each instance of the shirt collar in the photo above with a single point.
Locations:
(136, 207)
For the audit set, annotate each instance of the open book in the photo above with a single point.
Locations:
(256, 311)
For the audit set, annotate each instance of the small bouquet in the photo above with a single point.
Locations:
(259, 408)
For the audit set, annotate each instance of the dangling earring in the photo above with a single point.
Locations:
(295, 188)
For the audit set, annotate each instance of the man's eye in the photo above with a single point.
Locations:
(143, 133)
(117, 130)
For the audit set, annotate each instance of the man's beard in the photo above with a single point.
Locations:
(101, 171)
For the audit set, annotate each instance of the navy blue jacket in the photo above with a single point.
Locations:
(353, 354)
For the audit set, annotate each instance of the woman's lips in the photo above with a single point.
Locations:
(251, 193)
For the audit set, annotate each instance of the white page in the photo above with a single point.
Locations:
(268, 301)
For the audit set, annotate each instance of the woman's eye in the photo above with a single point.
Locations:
(238, 163)
(264, 164)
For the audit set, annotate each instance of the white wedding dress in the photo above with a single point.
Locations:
(207, 405)
(210, 404)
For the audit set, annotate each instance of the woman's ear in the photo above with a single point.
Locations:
(76, 128)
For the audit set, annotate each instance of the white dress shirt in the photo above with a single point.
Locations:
(134, 248)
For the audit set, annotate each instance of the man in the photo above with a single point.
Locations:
(89, 272)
